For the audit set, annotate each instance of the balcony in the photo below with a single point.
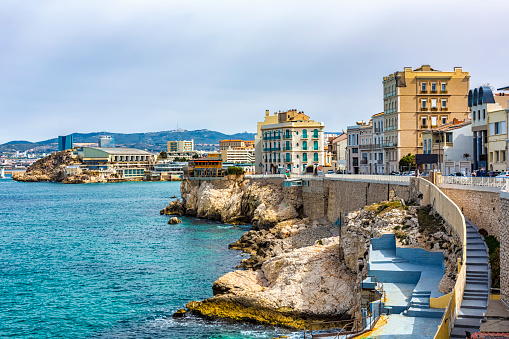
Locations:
(364, 161)
(433, 91)
(276, 137)
(369, 147)
(444, 109)
(304, 136)
(304, 148)
(380, 161)
(288, 160)
(423, 91)
(390, 144)
(424, 108)
(287, 137)
(315, 136)
(443, 92)
(287, 148)
(378, 130)
(424, 126)
(273, 149)
(434, 108)
(390, 128)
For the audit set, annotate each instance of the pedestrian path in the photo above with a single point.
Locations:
(477, 288)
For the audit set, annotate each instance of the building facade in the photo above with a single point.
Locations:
(258, 144)
(106, 141)
(352, 148)
(337, 148)
(416, 100)
(482, 102)
(235, 144)
(181, 146)
(65, 142)
(497, 136)
(241, 155)
(116, 162)
(451, 143)
(294, 144)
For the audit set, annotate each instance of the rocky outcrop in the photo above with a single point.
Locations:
(52, 168)
(289, 290)
(241, 201)
(174, 220)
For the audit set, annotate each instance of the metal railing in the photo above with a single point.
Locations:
(345, 328)
(501, 183)
(370, 177)
(264, 176)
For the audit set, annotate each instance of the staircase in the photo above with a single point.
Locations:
(476, 296)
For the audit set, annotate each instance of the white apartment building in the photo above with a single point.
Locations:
(243, 156)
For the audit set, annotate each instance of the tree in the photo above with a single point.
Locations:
(195, 156)
(407, 162)
(163, 155)
(235, 170)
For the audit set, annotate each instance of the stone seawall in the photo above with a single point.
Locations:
(481, 207)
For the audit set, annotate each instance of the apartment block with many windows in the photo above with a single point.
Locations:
(294, 144)
(416, 100)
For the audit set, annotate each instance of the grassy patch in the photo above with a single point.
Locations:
(387, 206)
(429, 222)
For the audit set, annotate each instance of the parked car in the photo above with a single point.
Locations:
(457, 174)
(502, 176)
(330, 172)
(395, 173)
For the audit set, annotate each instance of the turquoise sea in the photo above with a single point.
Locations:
(98, 261)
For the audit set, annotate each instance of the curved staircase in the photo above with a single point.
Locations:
(477, 288)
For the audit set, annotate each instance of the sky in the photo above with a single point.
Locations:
(144, 66)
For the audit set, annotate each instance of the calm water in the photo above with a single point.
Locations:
(98, 261)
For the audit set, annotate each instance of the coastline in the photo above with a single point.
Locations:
(291, 277)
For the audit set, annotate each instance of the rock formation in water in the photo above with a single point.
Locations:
(52, 168)
(239, 201)
(306, 284)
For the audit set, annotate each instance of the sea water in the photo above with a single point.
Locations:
(98, 261)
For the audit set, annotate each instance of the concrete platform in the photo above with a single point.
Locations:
(497, 317)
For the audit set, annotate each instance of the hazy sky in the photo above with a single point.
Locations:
(140, 66)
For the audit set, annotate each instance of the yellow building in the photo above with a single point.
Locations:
(416, 100)
(269, 120)
(497, 135)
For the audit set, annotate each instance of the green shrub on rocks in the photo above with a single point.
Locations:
(235, 170)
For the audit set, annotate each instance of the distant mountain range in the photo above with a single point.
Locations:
(204, 139)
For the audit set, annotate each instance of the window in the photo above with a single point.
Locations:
(315, 133)
(355, 150)
(473, 115)
(444, 103)
(304, 133)
(424, 121)
(423, 103)
(479, 115)
(433, 103)
(444, 86)
(315, 145)
(502, 156)
(448, 137)
(423, 86)
(305, 157)
(315, 157)
(433, 121)
(484, 114)
(492, 129)
(444, 120)
(305, 145)
(424, 147)
(433, 86)
(491, 156)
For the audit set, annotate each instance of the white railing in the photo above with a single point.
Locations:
(306, 176)
(370, 177)
(264, 176)
(501, 183)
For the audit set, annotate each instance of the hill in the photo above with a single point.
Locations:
(152, 141)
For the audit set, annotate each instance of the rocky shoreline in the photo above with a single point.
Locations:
(302, 270)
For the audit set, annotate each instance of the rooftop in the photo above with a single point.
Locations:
(450, 126)
(121, 150)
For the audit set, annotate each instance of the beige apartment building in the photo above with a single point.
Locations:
(416, 100)
(294, 144)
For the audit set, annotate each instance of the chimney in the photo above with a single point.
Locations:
(267, 112)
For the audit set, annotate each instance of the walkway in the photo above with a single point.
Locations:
(476, 296)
